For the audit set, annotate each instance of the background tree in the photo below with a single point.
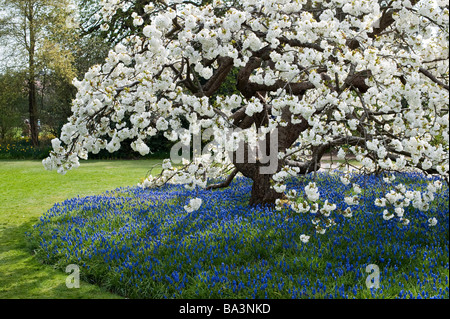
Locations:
(12, 103)
(39, 36)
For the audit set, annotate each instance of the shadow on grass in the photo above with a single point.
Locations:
(23, 276)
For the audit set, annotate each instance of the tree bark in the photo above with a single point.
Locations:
(32, 109)
(32, 101)
(262, 194)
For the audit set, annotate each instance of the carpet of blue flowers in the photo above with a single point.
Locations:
(143, 244)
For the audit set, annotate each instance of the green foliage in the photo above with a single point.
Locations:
(22, 149)
(229, 87)
(40, 38)
(12, 103)
(89, 51)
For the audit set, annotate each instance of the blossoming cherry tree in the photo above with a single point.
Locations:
(365, 77)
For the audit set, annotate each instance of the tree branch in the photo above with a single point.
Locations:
(226, 183)
(214, 83)
(429, 75)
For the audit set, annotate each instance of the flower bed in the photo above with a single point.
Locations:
(142, 243)
(22, 149)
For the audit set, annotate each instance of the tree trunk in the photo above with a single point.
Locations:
(32, 109)
(262, 194)
(32, 102)
(246, 162)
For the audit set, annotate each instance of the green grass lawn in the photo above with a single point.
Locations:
(27, 190)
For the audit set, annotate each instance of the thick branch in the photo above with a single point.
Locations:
(214, 83)
(305, 167)
(429, 75)
(244, 76)
(314, 164)
(226, 183)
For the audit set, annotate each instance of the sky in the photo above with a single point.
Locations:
(8, 58)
